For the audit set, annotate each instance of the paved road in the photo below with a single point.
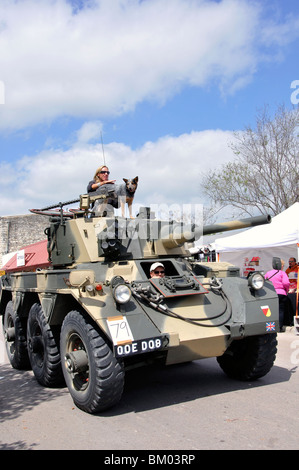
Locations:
(185, 407)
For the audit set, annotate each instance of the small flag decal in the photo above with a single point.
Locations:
(270, 326)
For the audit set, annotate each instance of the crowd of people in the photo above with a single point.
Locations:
(285, 283)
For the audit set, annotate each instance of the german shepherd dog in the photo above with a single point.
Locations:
(127, 194)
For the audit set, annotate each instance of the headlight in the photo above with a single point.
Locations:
(256, 281)
(122, 293)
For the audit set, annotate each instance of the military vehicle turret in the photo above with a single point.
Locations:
(96, 311)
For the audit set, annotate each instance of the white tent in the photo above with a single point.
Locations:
(254, 248)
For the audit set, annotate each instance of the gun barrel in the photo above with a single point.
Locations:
(236, 224)
(179, 235)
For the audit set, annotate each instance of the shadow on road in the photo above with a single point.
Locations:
(19, 392)
(145, 389)
(151, 388)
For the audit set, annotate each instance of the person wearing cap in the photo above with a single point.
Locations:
(292, 272)
(157, 270)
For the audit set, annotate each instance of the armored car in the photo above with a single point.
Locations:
(96, 312)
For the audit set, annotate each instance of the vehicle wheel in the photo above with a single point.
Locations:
(14, 329)
(249, 358)
(95, 378)
(43, 349)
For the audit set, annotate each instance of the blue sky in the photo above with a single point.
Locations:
(165, 82)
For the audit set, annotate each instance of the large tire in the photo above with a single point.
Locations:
(43, 349)
(14, 329)
(249, 358)
(95, 378)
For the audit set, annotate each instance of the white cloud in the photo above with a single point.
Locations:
(168, 170)
(89, 131)
(101, 61)
(113, 54)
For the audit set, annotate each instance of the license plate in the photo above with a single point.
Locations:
(139, 347)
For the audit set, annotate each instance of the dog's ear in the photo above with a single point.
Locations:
(136, 178)
(125, 180)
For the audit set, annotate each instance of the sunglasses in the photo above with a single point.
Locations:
(105, 172)
(159, 272)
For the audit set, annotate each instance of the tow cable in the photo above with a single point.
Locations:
(154, 300)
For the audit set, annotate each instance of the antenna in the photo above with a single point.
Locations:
(103, 149)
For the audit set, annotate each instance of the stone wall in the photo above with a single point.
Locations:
(20, 230)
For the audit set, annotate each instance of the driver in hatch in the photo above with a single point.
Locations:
(157, 270)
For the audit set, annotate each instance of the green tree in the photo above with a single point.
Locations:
(264, 176)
